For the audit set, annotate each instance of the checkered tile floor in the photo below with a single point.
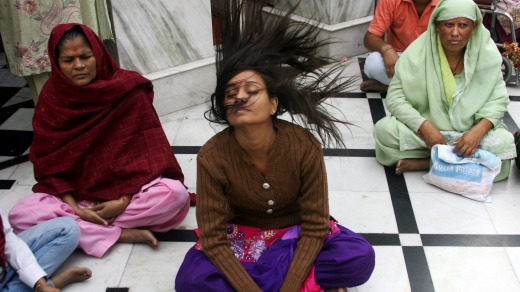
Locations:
(16, 110)
(425, 239)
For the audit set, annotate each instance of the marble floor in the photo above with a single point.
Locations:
(425, 239)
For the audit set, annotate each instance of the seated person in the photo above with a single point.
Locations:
(262, 207)
(503, 26)
(447, 89)
(402, 21)
(99, 152)
(28, 260)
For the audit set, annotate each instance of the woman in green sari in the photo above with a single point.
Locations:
(447, 89)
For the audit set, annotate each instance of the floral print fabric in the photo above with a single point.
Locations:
(248, 243)
(25, 26)
(513, 8)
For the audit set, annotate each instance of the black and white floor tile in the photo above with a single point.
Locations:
(16, 110)
(425, 239)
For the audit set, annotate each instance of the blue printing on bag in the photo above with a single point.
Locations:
(468, 171)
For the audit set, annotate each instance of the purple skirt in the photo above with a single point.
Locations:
(346, 260)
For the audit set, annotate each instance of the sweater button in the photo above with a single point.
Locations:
(270, 202)
(269, 211)
(266, 186)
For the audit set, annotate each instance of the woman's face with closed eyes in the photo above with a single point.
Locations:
(247, 100)
(77, 62)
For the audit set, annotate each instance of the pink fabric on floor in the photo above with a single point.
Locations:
(159, 206)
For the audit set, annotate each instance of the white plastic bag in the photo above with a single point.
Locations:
(471, 177)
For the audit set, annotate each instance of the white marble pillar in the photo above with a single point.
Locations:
(331, 11)
(345, 21)
(170, 42)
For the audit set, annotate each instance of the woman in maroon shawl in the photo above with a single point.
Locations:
(99, 152)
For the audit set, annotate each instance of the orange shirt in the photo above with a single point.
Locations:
(399, 19)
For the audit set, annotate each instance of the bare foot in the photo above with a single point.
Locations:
(372, 85)
(409, 164)
(138, 235)
(71, 275)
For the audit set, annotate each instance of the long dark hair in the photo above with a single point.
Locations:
(286, 55)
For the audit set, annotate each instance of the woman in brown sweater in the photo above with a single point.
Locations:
(262, 209)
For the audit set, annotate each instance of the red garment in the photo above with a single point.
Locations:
(3, 261)
(102, 140)
(400, 21)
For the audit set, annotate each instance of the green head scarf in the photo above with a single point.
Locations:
(456, 8)
(451, 10)
(419, 76)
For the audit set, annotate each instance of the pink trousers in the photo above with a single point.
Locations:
(159, 206)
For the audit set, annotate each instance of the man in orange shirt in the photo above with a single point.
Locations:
(402, 21)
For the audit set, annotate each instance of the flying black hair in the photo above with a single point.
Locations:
(286, 55)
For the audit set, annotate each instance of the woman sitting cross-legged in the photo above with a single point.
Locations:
(447, 89)
(99, 152)
(262, 207)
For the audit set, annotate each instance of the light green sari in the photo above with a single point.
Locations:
(418, 93)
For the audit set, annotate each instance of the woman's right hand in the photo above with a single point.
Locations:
(109, 210)
(84, 214)
(90, 216)
(431, 134)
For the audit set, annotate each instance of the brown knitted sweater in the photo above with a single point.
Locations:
(294, 191)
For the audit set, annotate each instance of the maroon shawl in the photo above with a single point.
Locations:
(102, 140)
(3, 261)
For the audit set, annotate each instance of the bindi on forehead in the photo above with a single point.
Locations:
(74, 50)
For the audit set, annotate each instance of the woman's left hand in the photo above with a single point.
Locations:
(111, 209)
(467, 144)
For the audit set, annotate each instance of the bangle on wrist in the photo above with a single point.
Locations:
(384, 51)
(37, 288)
